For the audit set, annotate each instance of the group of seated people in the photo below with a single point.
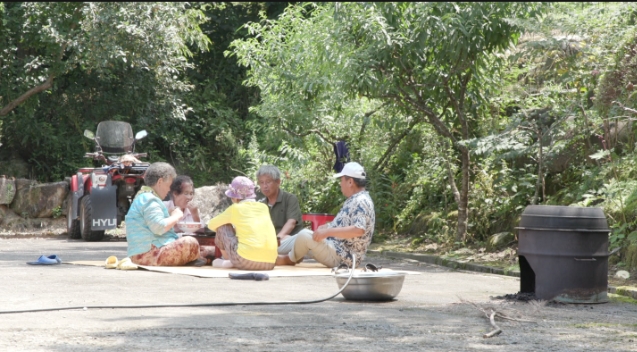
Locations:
(251, 234)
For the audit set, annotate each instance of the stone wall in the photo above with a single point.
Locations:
(34, 207)
(211, 200)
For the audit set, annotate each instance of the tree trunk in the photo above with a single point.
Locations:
(463, 203)
(457, 102)
(21, 99)
(461, 196)
(539, 183)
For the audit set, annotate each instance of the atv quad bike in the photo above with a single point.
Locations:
(100, 197)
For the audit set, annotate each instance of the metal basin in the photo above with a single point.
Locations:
(371, 286)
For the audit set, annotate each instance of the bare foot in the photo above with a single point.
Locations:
(284, 259)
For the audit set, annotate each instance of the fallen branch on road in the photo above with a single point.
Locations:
(497, 330)
(491, 313)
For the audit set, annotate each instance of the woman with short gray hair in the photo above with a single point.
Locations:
(149, 228)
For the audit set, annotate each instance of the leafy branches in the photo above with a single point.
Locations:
(50, 39)
(428, 62)
(433, 60)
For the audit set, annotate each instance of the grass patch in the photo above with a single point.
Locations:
(595, 325)
(623, 299)
(603, 325)
(512, 268)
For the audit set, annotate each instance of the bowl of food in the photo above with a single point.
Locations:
(188, 226)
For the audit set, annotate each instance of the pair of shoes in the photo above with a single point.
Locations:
(126, 264)
(47, 260)
(111, 262)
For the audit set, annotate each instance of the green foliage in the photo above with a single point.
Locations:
(460, 112)
(101, 60)
(207, 145)
(551, 142)
(143, 63)
(57, 212)
(500, 194)
(421, 62)
(303, 99)
(44, 41)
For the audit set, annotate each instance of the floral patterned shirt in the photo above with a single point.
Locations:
(358, 211)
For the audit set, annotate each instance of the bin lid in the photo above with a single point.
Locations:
(563, 217)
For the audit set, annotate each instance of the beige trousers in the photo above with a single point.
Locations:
(322, 251)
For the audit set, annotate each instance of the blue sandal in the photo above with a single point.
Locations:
(47, 260)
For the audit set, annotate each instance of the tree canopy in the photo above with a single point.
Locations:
(433, 62)
(43, 41)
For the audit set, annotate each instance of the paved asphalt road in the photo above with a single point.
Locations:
(430, 313)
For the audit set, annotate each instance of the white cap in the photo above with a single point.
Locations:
(352, 169)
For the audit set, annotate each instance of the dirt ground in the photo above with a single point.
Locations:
(504, 258)
(437, 310)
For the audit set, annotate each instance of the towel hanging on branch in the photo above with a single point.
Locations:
(342, 155)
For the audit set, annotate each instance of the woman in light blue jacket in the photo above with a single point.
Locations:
(149, 227)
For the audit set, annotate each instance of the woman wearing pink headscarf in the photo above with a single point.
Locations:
(244, 232)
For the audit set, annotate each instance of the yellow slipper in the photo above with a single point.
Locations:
(126, 264)
(111, 262)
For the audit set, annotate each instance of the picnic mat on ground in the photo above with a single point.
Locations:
(302, 269)
(86, 262)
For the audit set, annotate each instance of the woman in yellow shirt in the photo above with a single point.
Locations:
(251, 244)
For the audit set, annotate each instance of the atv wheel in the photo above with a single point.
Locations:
(72, 225)
(86, 217)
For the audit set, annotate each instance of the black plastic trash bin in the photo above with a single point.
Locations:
(563, 253)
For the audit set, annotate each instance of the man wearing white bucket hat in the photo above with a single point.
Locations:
(349, 233)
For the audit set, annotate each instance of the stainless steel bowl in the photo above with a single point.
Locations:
(371, 286)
